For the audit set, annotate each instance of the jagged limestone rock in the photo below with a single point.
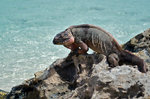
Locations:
(51, 83)
(95, 80)
(120, 82)
(89, 77)
(139, 42)
(3, 94)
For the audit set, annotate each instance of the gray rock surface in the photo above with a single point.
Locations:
(3, 94)
(139, 42)
(87, 77)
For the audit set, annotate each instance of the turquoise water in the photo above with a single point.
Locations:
(27, 28)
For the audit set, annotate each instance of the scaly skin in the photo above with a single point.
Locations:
(80, 38)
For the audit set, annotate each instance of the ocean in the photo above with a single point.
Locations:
(27, 28)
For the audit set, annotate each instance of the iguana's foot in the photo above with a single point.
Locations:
(113, 60)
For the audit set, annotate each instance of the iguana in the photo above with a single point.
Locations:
(79, 38)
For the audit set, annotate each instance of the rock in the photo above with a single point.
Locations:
(87, 77)
(3, 94)
(139, 42)
(95, 80)
(119, 82)
(51, 83)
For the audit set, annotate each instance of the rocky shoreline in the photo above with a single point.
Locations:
(95, 80)
(3, 94)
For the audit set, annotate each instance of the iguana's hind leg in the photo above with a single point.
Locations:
(131, 59)
(113, 60)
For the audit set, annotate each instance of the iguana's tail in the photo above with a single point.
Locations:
(129, 58)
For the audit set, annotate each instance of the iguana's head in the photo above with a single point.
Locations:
(64, 38)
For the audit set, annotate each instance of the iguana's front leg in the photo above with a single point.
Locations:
(78, 48)
(82, 47)
(73, 47)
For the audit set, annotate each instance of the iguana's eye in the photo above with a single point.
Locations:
(65, 35)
